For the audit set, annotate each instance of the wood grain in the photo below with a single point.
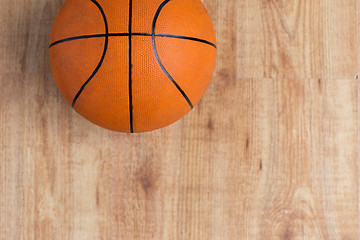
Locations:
(298, 38)
(271, 152)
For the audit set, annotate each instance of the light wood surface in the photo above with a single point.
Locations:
(271, 152)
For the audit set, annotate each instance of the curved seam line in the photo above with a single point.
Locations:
(133, 34)
(102, 57)
(157, 56)
(186, 38)
(76, 38)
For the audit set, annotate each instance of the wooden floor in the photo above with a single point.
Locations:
(271, 152)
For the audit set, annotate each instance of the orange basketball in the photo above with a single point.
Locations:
(132, 65)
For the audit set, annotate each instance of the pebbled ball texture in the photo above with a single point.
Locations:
(132, 65)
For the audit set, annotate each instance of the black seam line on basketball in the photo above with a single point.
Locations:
(133, 34)
(187, 38)
(75, 38)
(102, 57)
(130, 68)
(157, 55)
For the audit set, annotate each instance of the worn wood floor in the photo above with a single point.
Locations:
(270, 153)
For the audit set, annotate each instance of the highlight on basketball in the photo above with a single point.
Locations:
(132, 65)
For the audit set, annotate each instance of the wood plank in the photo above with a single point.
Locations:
(301, 163)
(296, 39)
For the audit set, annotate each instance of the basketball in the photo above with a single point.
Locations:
(132, 65)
